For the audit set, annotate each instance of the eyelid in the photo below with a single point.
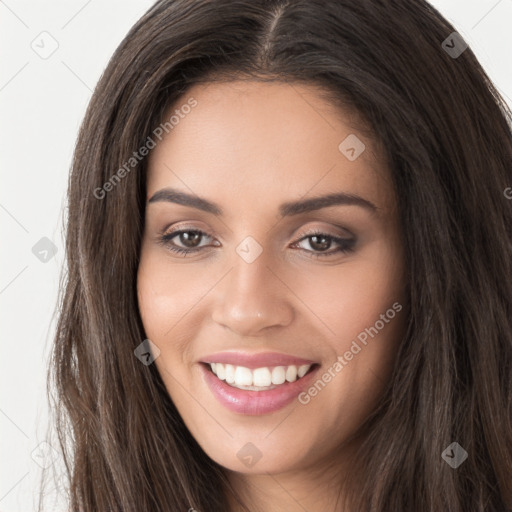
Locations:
(345, 244)
(299, 237)
(164, 233)
(327, 231)
(178, 227)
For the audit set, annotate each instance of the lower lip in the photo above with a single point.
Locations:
(255, 402)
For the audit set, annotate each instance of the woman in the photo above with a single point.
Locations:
(289, 282)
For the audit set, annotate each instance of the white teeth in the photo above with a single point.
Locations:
(302, 370)
(260, 378)
(230, 373)
(243, 376)
(278, 375)
(221, 371)
(291, 373)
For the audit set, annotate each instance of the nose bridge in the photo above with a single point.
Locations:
(250, 297)
(249, 282)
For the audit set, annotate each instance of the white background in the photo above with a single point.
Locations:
(42, 102)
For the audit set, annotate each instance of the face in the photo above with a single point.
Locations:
(271, 273)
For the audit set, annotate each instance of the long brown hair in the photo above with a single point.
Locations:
(447, 138)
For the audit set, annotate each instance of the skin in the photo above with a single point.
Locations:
(249, 147)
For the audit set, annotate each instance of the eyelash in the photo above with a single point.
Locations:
(345, 245)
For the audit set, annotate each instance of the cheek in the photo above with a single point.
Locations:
(163, 305)
(351, 297)
(362, 303)
(163, 298)
(157, 304)
(172, 306)
(166, 292)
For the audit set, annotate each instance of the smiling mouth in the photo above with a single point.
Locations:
(259, 379)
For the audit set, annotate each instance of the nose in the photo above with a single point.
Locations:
(252, 298)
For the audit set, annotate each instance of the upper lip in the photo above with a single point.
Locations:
(257, 360)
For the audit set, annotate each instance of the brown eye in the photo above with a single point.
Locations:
(184, 241)
(189, 238)
(320, 243)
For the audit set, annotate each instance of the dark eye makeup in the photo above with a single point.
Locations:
(319, 241)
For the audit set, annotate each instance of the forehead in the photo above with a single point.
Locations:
(260, 142)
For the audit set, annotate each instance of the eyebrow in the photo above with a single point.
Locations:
(171, 195)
